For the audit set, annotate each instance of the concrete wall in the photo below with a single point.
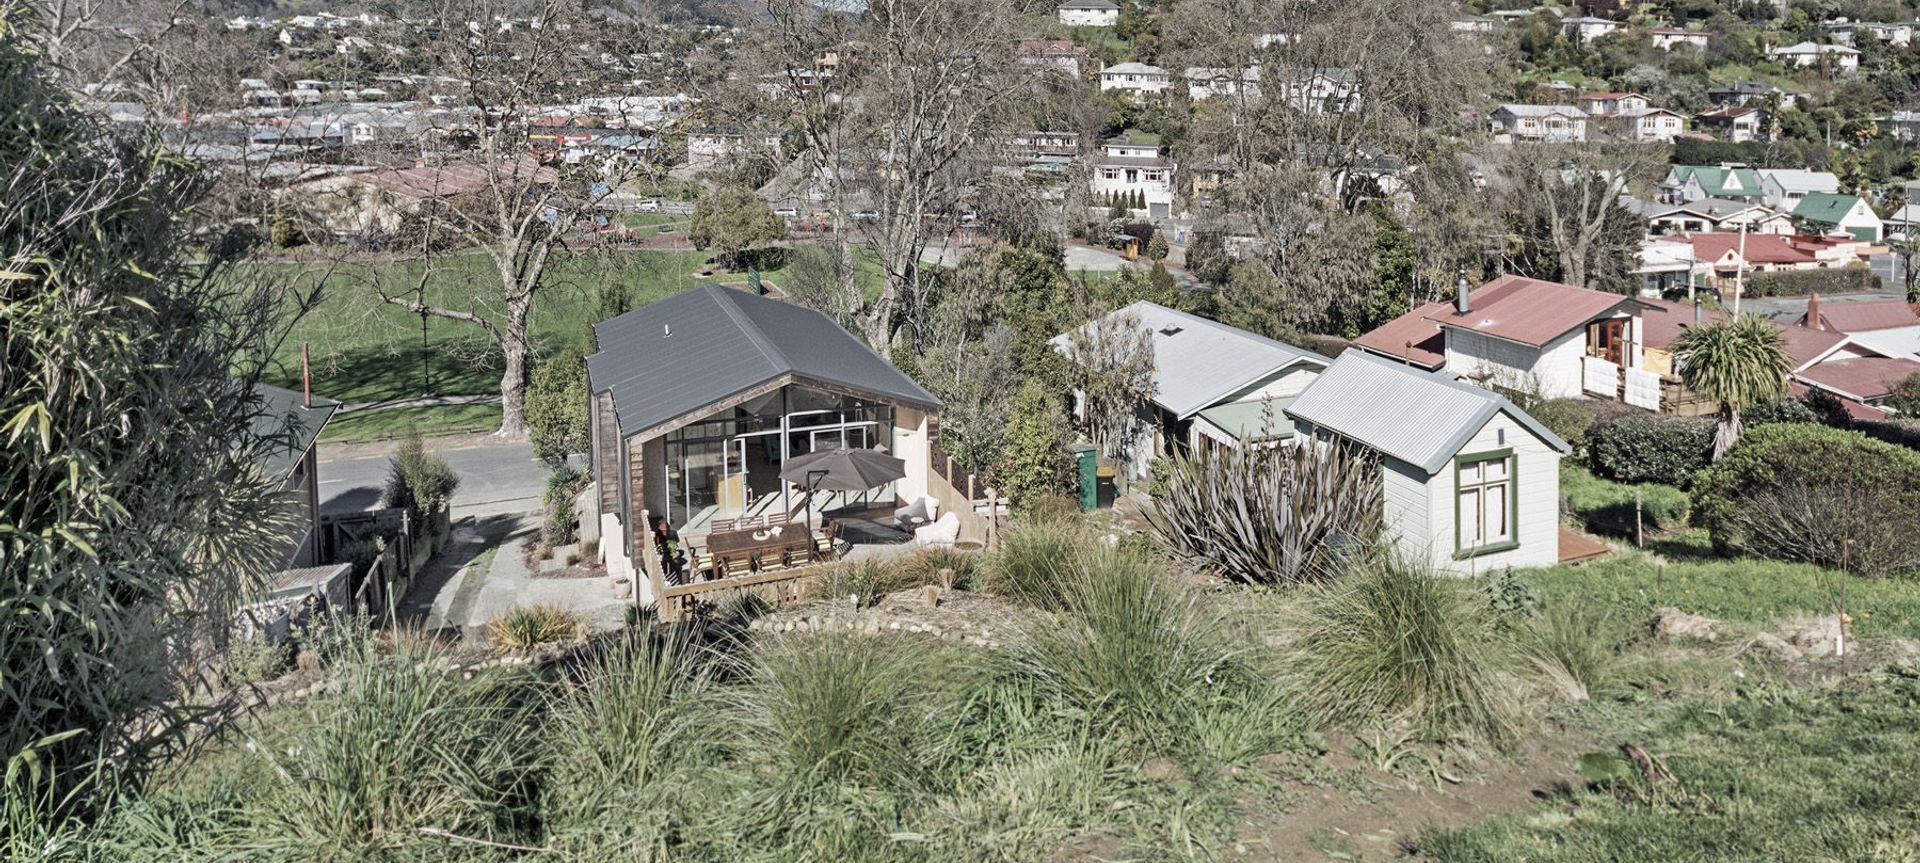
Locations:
(911, 443)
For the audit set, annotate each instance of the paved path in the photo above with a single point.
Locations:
(484, 573)
(432, 401)
(494, 479)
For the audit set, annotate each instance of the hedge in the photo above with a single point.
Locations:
(1815, 494)
(1799, 283)
(1651, 448)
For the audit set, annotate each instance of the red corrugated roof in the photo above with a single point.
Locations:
(1528, 311)
(1760, 248)
(1805, 345)
(1410, 338)
(1860, 377)
(1861, 317)
(1855, 409)
(1664, 321)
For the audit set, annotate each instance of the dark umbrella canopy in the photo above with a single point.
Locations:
(843, 469)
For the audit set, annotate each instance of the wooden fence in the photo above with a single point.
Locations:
(402, 549)
(960, 493)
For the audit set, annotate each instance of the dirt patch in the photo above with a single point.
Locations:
(1366, 814)
(958, 615)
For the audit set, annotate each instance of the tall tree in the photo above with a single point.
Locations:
(134, 514)
(1564, 210)
(1110, 364)
(1738, 363)
(732, 221)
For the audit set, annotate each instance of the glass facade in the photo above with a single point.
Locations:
(728, 464)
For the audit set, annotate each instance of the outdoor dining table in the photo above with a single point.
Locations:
(746, 544)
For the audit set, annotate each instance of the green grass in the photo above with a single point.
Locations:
(1773, 775)
(1604, 506)
(1753, 592)
(393, 423)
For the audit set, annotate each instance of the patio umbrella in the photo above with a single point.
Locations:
(843, 470)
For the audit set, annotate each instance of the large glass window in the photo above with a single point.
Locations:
(1486, 505)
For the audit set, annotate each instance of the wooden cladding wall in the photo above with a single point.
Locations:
(606, 452)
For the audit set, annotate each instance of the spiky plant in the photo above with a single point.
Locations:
(1738, 363)
(1282, 515)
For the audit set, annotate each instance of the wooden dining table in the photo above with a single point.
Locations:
(741, 546)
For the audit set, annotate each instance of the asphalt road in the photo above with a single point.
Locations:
(493, 480)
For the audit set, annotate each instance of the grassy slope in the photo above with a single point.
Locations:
(393, 423)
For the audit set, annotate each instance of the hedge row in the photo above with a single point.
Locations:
(1799, 283)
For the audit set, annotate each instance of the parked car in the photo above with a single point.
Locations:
(650, 205)
(788, 212)
(666, 229)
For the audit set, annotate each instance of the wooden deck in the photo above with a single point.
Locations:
(1577, 547)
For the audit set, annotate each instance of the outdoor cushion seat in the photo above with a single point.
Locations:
(942, 533)
(927, 508)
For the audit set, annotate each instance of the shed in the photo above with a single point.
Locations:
(1471, 481)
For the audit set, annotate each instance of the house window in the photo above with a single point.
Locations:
(1486, 506)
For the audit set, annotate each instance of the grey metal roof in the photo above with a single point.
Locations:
(1419, 417)
(688, 351)
(1197, 362)
(282, 415)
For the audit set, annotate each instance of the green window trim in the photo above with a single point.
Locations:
(1461, 551)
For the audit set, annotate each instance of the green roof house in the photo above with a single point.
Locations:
(1840, 214)
(1686, 183)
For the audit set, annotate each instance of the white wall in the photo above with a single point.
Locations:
(910, 444)
(1420, 513)
(1090, 17)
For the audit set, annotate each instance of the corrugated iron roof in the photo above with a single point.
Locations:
(1528, 311)
(1197, 362)
(1421, 418)
(1411, 338)
(685, 352)
(1866, 316)
(1860, 377)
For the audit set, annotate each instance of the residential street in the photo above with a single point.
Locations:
(494, 479)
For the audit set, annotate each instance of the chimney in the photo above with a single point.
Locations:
(1813, 312)
(1461, 304)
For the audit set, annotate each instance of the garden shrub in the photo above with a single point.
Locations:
(1650, 448)
(1788, 410)
(1035, 560)
(1815, 494)
(1607, 507)
(418, 481)
(528, 627)
(1571, 419)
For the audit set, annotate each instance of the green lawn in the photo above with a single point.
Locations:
(366, 350)
(1752, 592)
(392, 423)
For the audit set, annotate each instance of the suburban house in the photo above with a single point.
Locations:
(696, 401)
(1089, 13)
(1784, 189)
(1856, 318)
(1058, 54)
(1649, 124)
(1850, 32)
(1206, 82)
(1211, 383)
(1717, 214)
(1132, 164)
(1471, 483)
(1840, 214)
(1751, 94)
(292, 422)
(1900, 223)
(1134, 78)
(1665, 266)
(1808, 55)
(1608, 104)
(1587, 28)
(1321, 91)
(1527, 335)
(1694, 182)
(1551, 124)
(1902, 126)
(1667, 36)
(1736, 123)
(713, 149)
(1727, 255)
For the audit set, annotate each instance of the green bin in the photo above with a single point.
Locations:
(1089, 476)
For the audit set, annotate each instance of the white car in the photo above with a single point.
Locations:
(651, 205)
(788, 212)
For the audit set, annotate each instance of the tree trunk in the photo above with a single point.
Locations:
(513, 382)
(1727, 433)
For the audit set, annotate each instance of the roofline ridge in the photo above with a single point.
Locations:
(725, 298)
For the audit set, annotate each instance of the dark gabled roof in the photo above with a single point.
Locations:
(680, 354)
(282, 416)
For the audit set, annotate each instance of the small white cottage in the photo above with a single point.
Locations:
(1472, 483)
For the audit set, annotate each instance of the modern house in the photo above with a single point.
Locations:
(1137, 79)
(1089, 13)
(1716, 214)
(1736, 123)
(1527, 335)
(1808, 55)
(699, 399)
(1550, 124)
(1902, 126)
(292, 423)
(1694, 182)
(1211, 383)
(1899, 34)
(1471, 483)
(1132, 165)
(1751, 94)
(1840, 214)
(1783, 189)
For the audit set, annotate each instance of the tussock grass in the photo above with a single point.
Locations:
(1393, 640)
(1036, 561)
(529, 627)
(1575, 651)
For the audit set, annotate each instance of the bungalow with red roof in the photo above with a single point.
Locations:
(1528, 335)
(1857, 317)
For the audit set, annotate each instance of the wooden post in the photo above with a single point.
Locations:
(1639, 536)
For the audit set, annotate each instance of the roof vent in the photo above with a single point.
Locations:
(1171, 330)
(666, 331)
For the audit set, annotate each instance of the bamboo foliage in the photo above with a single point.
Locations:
(1269, 515)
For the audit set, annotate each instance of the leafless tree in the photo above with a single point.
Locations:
(1111, 365)
(1564, 204)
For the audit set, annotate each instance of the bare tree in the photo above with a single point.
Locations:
(1112, 368)
(1564, 210)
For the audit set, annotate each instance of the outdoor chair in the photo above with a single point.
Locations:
(927, 509)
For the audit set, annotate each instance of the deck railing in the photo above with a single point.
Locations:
(786, 587)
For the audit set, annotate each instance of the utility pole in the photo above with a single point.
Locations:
(1740, 270)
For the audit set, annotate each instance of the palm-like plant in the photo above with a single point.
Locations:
(1739, 363)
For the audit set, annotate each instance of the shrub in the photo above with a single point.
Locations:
(1394, 640)
(1815, 494)
(1800, 283)
(1035, 459)
(1905, 395)
(1607, 507)
(1651, 448)
(556, 407)
(531, 626)
(1788, 410)
(561, 520)
(1036, 560)
(1577, 651)
(1568, 418)
(254, 660)
(1152, 665)
(418, 481)
(1280, 515)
